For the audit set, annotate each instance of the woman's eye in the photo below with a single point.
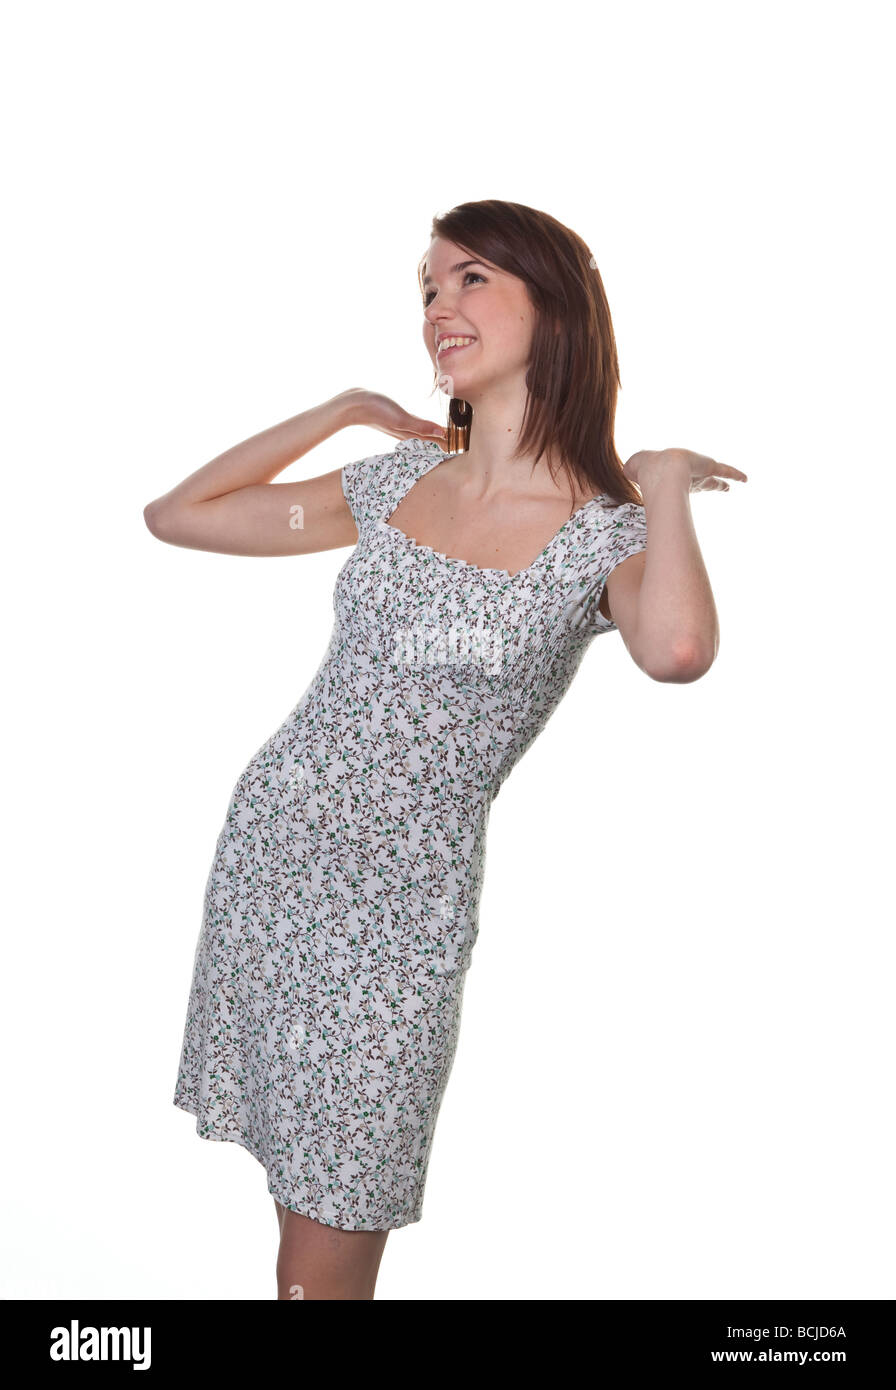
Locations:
(470, 273)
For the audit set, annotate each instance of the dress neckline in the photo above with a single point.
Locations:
(438, 457)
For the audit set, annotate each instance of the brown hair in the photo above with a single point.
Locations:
(572, 376)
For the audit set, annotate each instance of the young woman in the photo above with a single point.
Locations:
(341, 908)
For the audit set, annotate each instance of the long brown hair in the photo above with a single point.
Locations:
(572, 376)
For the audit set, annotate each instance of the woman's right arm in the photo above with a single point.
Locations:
(231, 505)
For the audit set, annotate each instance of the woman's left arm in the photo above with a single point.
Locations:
(664, 607)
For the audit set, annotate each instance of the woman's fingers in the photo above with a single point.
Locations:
(714, 478)
(729, 472)
(426, 429)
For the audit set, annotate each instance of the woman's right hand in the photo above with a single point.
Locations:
(382, 413)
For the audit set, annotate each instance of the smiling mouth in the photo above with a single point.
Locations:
(459, 347)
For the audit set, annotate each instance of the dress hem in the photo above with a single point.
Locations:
(189, 1107)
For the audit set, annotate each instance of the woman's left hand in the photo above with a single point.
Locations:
(702, 473)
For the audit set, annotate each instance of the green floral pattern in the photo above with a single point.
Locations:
(342, 905)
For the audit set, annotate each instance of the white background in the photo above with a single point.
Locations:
(674, 1077)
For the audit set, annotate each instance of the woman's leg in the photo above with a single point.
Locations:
(317, 1261)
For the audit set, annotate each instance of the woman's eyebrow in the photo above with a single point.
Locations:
(455, 269)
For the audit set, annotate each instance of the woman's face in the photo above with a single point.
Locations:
(469, 298)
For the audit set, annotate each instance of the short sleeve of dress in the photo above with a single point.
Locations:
(374, 486)
(624, 533)
(362, 486)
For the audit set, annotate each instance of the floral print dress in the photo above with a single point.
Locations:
(341, 908)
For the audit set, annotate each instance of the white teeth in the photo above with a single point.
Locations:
(454, 342)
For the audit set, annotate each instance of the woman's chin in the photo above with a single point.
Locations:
(461, 386)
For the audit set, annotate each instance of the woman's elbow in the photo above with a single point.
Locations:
(687, 661)
(156, 521)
